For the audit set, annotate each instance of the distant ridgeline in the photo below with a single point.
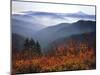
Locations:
(45, 40)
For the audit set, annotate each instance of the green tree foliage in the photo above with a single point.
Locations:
(26, 44)
(32, 43)
(33, 47)
(38, 47)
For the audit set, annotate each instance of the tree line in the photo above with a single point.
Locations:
(32, 46)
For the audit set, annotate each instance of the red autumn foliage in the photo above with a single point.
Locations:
(74, 55)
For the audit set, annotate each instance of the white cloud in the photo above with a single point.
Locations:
(46, 7)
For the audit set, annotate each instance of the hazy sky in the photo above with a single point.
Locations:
(18, 7)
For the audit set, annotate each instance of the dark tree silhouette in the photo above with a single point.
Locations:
(38, 48)
(32, 43)
(32, 47)
(26, 44)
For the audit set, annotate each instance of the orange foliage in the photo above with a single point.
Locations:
(85, 59)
